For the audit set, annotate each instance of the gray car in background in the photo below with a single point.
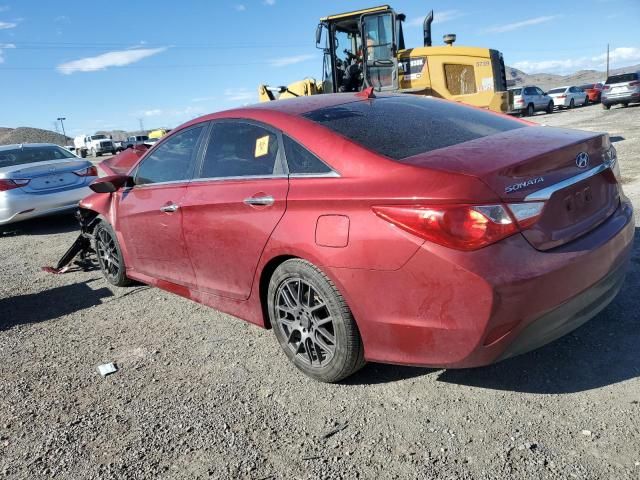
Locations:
(41, 179)
(528, 100)
(623, 88)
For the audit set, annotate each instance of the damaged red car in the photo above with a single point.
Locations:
(395, 229)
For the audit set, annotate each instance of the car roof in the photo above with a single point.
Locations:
(13, 146)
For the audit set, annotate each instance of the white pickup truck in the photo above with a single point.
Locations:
(94, 145)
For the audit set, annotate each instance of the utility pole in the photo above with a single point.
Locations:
(607, 60)
(61, 120)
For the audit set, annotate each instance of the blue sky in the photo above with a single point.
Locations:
(107, 66)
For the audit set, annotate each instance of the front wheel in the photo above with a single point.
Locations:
(572, 103)
(110, 255)
(606, 106)
(313, 323)
(550, 107)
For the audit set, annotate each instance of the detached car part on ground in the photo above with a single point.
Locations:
(394, 229)
(41, 179)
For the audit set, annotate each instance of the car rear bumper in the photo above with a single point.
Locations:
(627, 97)
(454, 309)
(16, 205)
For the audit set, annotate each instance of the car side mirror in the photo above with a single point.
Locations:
(318, 34)
(109, 184)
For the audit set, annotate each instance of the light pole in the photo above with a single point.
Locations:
(61, 120)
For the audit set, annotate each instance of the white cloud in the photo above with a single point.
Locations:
(109, 59)
(270, 3)
(7, 25)
(618, 57)
(4, 46)
(438, 17)
(286, 61)
(509, 27)
(240, 95)
(240, 7)
(152, 113)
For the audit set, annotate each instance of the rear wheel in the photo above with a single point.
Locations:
(550, 107)
(606, 106)
(109, 255)
(313, 323)
(625, 104)
(572, 103)
(530, 110)
(586, 101)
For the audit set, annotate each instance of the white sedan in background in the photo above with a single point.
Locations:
(41, 179)
(568, 97)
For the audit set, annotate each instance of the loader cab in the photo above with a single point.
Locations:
(360, 50)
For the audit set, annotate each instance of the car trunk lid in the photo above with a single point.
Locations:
(49, 176)
(518, 163)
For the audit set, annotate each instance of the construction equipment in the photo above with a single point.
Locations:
(471, 75)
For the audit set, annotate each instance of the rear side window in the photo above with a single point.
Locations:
(172, 161)
(302, 161)
(517, 91)
(461, 79)
(625, 77)
(405, 125)
(238, 149)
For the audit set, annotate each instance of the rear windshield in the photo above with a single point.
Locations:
(22, 156)
(625, 77)
(587, 87)
(557, 90)
(405, 125)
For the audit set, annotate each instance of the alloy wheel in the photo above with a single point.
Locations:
(108, 254)
(304, 318)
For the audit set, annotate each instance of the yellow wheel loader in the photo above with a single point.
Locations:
(366, 48)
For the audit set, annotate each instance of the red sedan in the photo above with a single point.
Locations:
(395, 229)
(593, 91)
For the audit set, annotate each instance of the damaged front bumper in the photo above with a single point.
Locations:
(81, 252)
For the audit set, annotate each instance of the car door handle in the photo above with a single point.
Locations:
(265, 201)
(172, 207)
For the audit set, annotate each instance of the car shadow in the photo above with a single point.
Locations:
(60, 223)
(602, 352)
(49, 304)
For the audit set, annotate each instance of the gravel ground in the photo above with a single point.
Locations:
(200, 394)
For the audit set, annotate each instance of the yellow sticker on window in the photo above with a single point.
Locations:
(262, 146)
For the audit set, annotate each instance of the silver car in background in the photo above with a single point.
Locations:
(623, 88)
(529, 99)
(41, 179)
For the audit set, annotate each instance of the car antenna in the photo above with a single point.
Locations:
(366, 93)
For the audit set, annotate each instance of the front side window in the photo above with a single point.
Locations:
(238, 149)
(302, 161)
(173, 160)
(461, 79)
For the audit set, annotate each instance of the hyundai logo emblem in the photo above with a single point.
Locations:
(582, 160)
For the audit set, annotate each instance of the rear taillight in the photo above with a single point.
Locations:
(87, 172)
(634, 84)
(463, 227)
(562, 96)
(11, 184)
(611, 158)
(606, 87)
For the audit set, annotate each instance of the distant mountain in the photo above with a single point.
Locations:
(9, 136)
(549, 80)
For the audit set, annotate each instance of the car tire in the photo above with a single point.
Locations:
(572, 104)
(586, 101)
(606, 106)
(625, 104)
(109, 255)
(530, 110)
(550, 107)
(312, 322)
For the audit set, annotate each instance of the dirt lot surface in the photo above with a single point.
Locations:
(200, 394)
